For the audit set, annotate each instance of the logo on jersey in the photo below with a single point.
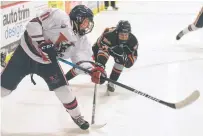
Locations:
(54, 79)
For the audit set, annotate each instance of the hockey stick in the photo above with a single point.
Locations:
(94, 126)
(188, 100)
(94, 104)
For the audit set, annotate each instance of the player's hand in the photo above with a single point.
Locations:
(98, 74)
(115, 50)
(120, 59)
(118, 54)
(130, 60)
(47, 51)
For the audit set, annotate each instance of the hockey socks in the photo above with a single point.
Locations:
(188, 29)
(70, 103)
(70, 74)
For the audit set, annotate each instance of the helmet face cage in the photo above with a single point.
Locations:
(123, 29)
(88, 28)
(81, 14)
(123, 37)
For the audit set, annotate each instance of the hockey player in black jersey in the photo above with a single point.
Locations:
(119, 43)
(192, 27)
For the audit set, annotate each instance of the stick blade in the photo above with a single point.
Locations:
(98, 126)
(187, 101)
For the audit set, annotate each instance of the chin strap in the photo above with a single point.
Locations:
(75, 27)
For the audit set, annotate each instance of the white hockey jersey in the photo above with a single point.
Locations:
(55, 25)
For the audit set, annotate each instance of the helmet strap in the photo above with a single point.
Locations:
(75, 27)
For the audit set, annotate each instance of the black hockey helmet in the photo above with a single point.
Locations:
(82, 16)
(123, 26)
(123, 29)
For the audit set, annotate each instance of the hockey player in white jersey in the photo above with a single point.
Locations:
(50, 35)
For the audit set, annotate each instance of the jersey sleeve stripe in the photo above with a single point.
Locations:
(47, 13)
(36, 20)
(101, 54)
(45, 18)
(36, 36)
(116, 70)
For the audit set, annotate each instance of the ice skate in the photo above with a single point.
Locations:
(83, 124)
(179, 35)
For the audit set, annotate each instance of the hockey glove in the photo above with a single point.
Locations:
(120, 59)
(118, 54)
(98, 74)
(47, 51)
(130, 60)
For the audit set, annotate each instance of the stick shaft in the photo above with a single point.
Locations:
(94, 104)
(171, 105)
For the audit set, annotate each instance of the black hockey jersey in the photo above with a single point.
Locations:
(109, 38)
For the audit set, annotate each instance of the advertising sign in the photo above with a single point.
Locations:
(57, 4)
(14, 20)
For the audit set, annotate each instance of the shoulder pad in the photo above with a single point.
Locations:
(109, 29)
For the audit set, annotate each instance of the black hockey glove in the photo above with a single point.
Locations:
(129, 62)
(120, 59)
(48, 52)
(118, 54)
(130, 59)
(62, 47)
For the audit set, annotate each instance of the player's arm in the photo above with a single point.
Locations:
(131, 52)
(98, 72)
(34, 32)
(82, 55)
(103, 53)
(35, 26)
(81, 58)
